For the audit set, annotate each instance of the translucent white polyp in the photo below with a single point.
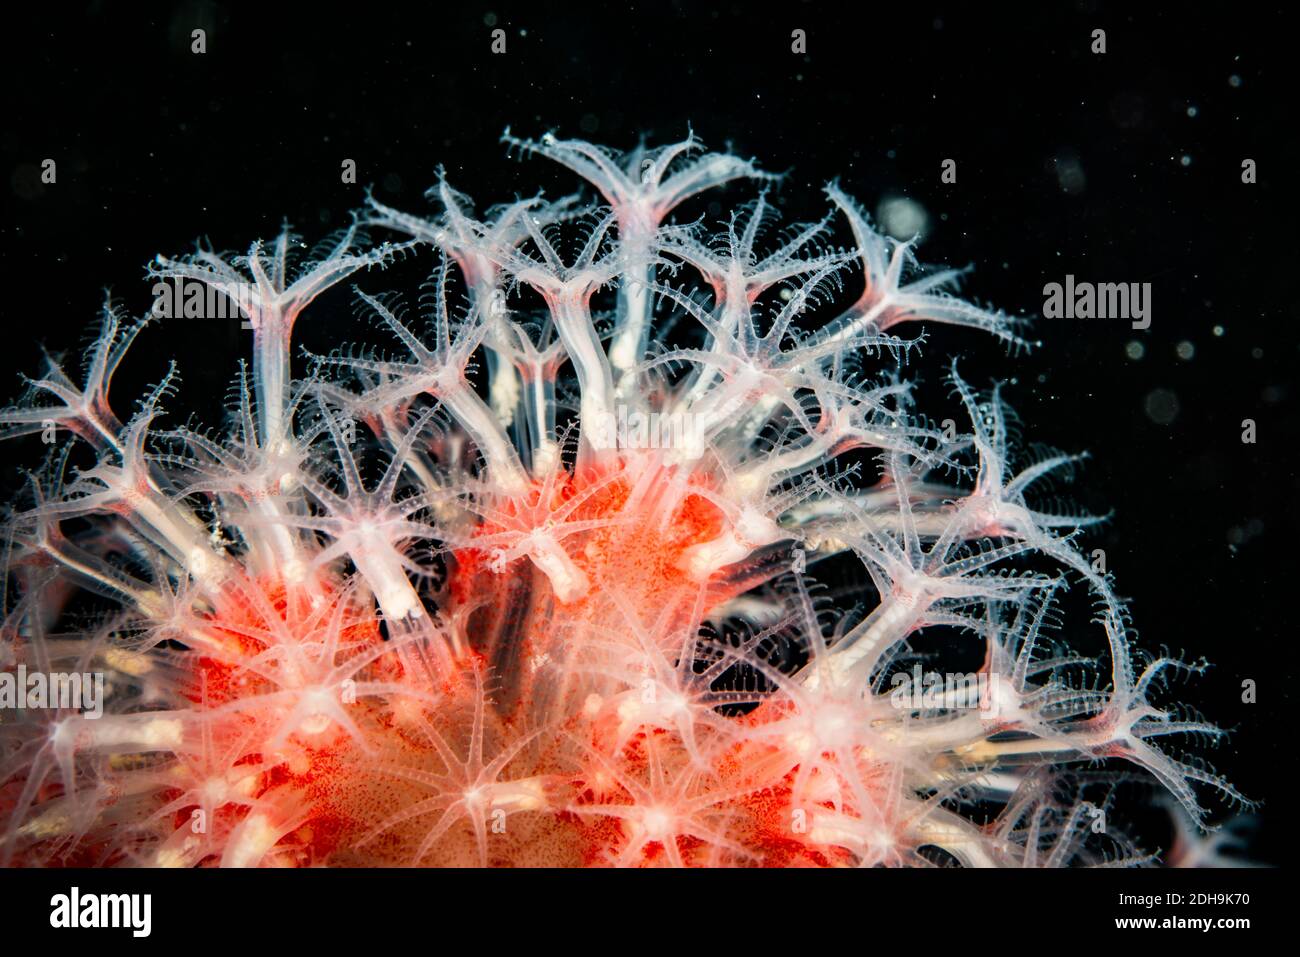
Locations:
(568, 581)
(381, 567)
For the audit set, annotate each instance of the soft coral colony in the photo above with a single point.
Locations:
(428, 604)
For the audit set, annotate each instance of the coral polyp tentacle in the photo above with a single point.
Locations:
(545, 585)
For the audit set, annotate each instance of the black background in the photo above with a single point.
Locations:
(157, 146)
